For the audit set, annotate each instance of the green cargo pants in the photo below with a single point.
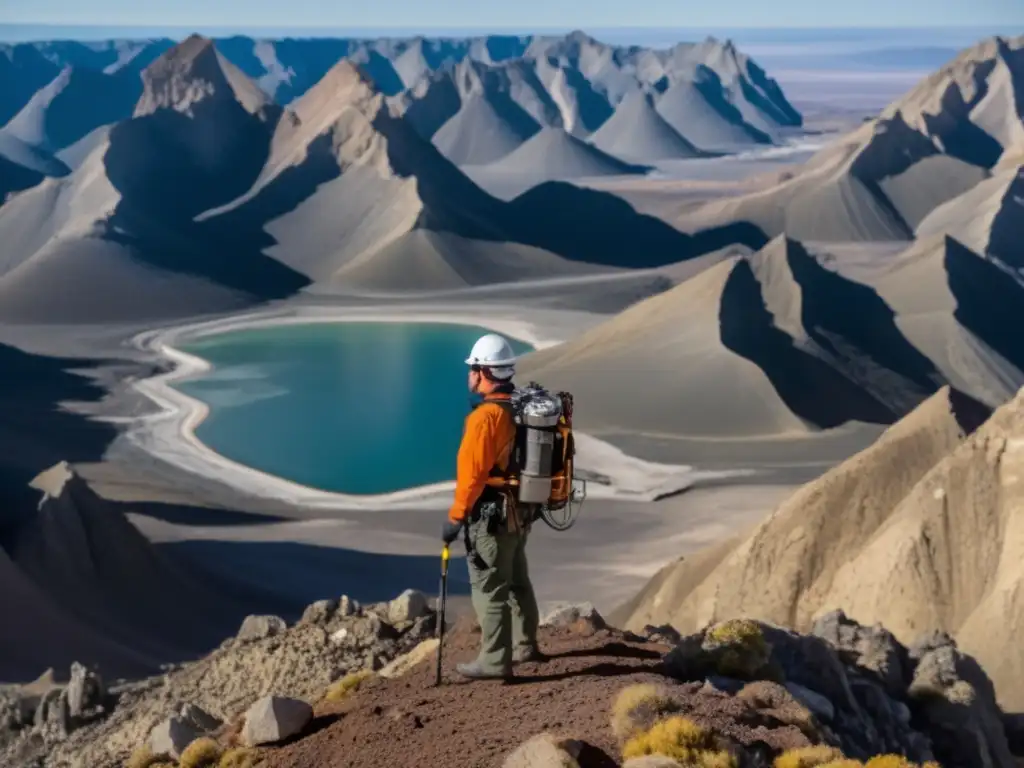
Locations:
(502, 594)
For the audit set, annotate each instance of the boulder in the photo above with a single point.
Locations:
(408, 606)
(566, 615)
(956, 700)
(273, 719)
(545, 751)
(200, 718)
(873, 649)
(85, 690)
(53, 713)
(260, 627)
(172, 736)
(319, 612)
(403, 664)
(347, 606)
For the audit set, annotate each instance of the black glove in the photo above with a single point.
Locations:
(450, 532)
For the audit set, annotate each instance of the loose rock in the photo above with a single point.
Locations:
(567, 615)
(85, 690)
(408, 606)
(260, 627)
(172, 736)
(319, 612)
(545, 751)
(275, 718)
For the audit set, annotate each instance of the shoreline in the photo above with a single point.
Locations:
(169, 434)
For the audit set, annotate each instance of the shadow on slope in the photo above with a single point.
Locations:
(600, 228)
(835, 308)
(1006, 239)
(809, 387)
(35, 431)
(168, 168)
(988, 301)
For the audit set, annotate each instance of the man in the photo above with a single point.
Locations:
(495, 536)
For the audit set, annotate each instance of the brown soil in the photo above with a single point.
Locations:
(476, 724)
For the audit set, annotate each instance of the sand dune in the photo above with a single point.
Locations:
(482, 132)
(989, 218)
(920, 531)
(715, 362)
(22, 166)
(636, 132)
(423, 260)
(706, 123)
(958, 309)
(553, 154)
(76, 102)
(476, 113)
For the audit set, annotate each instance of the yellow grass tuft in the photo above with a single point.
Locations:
(682, 740)
(240, 757)
(340, 689)
(639, 707)
(201, 753)
(808, 757)
(843, 764)
(143, 757)
(889, 761)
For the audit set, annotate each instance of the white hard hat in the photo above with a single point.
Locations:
(494, 352)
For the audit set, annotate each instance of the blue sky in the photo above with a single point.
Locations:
(523, 15)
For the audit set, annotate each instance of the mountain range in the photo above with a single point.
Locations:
(477, 98)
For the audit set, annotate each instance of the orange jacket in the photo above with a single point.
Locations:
(487, 441)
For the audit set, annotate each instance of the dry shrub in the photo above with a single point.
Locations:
(201, 753)
(682, 740)
(808, 757)
(638, 707)
(741, 647)
(339, 690)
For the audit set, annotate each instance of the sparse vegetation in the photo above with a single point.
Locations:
(847, 763)
(639, 707)
(810, 757)
(739, 642)
(240, 757)
(683, 740)
(143, 757)
(340, 689)
(895, 761)
(201, 753)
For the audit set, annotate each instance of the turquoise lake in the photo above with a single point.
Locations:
(356, 408)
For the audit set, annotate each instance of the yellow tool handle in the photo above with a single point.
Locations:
(444, 554)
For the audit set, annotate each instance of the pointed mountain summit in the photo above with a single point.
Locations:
(194, 72)
(636, 132)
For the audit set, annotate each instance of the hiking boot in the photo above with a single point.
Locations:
(474, 671)
(526, 653)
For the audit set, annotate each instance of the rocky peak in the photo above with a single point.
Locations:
(193, 72)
